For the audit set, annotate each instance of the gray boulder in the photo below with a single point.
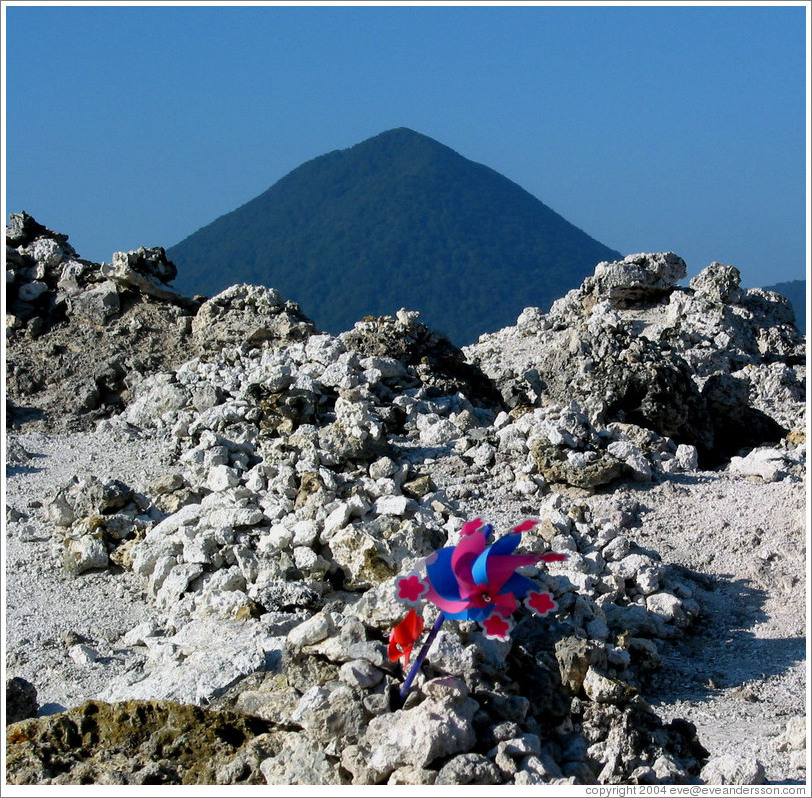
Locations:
(638, 278)
(147, 271)
(439, 727)
(248, 315)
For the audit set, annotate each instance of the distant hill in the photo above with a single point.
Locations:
(795, 292)
(399, 220)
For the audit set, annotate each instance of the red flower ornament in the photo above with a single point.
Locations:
(403, 637)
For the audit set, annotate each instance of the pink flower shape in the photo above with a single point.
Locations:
(411, 588)
(496, 627)
(542, 603)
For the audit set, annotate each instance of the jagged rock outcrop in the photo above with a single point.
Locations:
(630, 346)
(248, 315)
(81, 336)
(436, 362)
(147, 271)
(152, 742)
(77, 332)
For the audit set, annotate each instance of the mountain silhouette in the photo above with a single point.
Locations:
(398, 220)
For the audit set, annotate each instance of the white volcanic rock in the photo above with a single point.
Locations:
(303, 473)
(437, 728)
(638, 277)
(768, 464)
(145, 270)
(191, 666)
(630, 320)
(732, 769)
(96, 304)
(247, 314)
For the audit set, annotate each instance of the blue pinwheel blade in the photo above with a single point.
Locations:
(503, 546)
(442, 577)
(519, 585)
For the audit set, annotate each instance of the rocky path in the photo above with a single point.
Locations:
(49, 614)
(741, 675)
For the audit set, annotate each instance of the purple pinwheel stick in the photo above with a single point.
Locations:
(405, 687)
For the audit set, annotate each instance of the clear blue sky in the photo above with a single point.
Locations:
(651, 128)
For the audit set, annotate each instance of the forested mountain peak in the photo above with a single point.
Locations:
(399, 220)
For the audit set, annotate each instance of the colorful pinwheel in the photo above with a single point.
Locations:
(471, 581)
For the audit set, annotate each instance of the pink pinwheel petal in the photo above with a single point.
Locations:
(469, 527)
(500, 567)
(524, 526)
(505, 604)
(552, 557)
(463, 558)
(448, 606)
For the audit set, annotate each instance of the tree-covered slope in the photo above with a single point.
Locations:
(399, 220)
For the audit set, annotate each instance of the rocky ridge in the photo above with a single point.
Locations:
(710, 365)
(303, 472)
(81, 335)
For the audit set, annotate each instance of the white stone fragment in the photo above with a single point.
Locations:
(769, 464)
(86, 553)
(393, 505)
(313, 630)
(139, 633)
(222, 477)
(687, 457)
(83, 654)
(305, 533)
(337, 519)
